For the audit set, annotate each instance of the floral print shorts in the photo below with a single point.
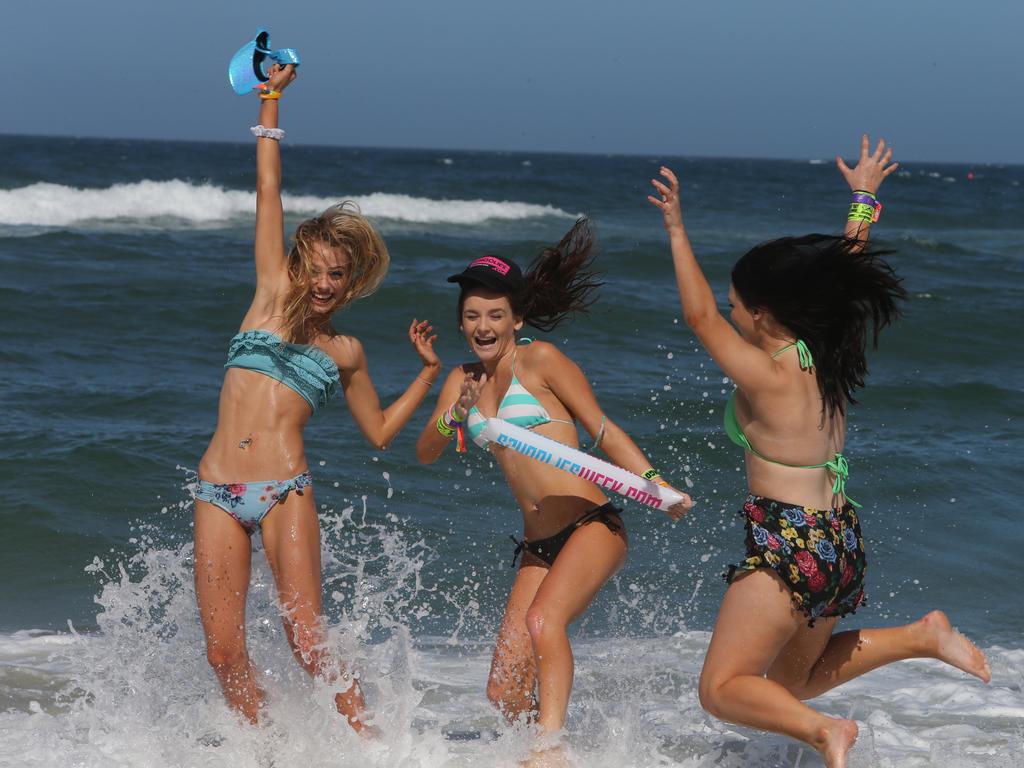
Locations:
(819, 554)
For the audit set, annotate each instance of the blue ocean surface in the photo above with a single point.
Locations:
(125, 267)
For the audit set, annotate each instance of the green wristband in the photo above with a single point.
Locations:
(861, 212)
(443, 428)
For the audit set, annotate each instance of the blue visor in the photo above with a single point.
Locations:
(248, 67)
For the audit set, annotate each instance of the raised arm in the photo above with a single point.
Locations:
(565, 379)
(380, 426)
(271, 271)
(864, 179)
(751, 368)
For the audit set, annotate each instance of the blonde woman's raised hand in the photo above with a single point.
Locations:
(469, 393)
(667, 199)
(422, 338)
(871, 169)
(281, 77)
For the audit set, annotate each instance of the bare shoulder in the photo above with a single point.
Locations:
(346, 351)
(544, 357)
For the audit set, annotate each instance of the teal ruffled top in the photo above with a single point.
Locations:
(301, 367)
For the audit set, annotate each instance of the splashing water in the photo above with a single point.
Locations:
(138, 690)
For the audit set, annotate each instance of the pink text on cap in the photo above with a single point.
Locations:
(497, 265)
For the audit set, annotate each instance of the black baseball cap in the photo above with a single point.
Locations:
(494, 272)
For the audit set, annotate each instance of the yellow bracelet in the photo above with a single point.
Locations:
(444, 430)
(270, 95)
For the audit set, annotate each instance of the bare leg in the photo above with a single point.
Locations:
(591, 556)
(850, 654)
(223, 555)
(755, 623)
(513, 669)
(291, 541)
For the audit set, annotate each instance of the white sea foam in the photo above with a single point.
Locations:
(186, 204)
(138, 691)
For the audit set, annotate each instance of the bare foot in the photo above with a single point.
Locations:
(835, 740)
(351, 705)
(950, 646)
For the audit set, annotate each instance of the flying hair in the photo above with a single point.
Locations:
(829, 291)
(340, 227)
(560, 282)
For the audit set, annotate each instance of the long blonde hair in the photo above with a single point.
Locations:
(342, 227)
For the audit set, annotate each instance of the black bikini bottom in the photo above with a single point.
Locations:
(548, 549)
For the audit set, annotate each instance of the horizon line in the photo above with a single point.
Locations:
(318, 145)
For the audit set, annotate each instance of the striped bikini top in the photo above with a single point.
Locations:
(517, 407)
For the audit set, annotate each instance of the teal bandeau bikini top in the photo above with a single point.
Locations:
(837, 465)
(301, 367)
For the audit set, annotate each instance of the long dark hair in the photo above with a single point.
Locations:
(827, 291)
(559, 283)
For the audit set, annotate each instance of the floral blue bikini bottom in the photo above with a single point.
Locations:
(250, 502)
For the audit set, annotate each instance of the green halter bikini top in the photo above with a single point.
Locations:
(837, 466)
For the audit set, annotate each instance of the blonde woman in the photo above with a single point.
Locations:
(285, 363)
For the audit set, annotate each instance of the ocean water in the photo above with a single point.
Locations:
(125, 267)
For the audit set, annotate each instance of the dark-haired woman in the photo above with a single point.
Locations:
(574, 539)
(803, 309)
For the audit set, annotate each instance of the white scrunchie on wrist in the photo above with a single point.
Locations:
(267, 133)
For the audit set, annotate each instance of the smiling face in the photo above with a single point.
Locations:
(488, 323)
(328, 279)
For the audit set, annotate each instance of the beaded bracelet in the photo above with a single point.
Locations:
(267, 133)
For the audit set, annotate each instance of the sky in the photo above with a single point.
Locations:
(941, 80)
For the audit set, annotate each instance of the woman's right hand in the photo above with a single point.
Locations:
(677, 510)
(281, 77)
(669, 200)
(469, 393)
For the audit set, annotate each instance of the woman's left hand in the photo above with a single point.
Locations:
(422, 338)
(871, 169)
(676, 511)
